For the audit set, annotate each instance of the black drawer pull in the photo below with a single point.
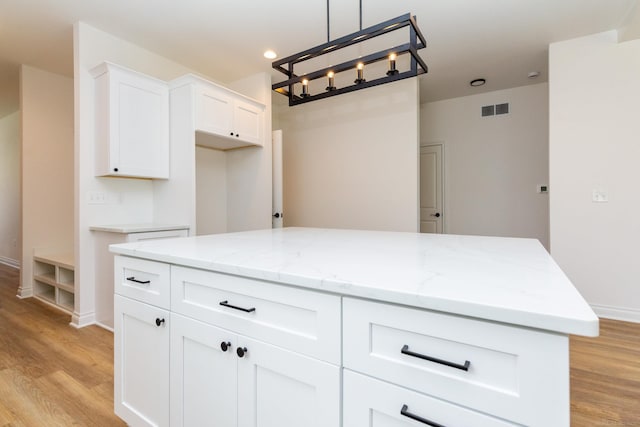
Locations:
(235, 307)
(225, 345)
(159, 321)
(133, 279)
(405, 412)
(465, 367)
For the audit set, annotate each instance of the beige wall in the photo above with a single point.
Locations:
(594, 145)
(493, 164)
(46, 101)
(10, 189)
(351, 161)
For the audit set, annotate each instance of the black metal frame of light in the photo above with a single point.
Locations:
(415, 43)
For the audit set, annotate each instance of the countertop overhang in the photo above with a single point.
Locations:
(507, 280)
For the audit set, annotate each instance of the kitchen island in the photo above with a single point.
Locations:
(321, 327)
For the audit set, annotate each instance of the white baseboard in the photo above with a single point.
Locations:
(617, 313)
(10, 262)
(24, 293)
(103, 326)
(81, 320)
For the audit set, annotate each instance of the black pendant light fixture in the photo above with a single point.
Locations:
(296, 87)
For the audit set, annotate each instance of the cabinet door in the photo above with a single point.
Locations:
(214, 111)
(132, 124)
(203, 375)
(247, 121)
(279, 388)
(141, 364)
(141, 141)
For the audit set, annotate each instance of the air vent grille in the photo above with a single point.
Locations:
(488, 110)
(494, 110)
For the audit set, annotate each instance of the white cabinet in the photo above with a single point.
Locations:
(230, 380)
(227, 120)
(502, 370)
(204, 382)
(230, 351)
(131, 123)
(370, 402)
(141, 362)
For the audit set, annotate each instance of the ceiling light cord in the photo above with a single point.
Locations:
(328, 28)
(360, 15)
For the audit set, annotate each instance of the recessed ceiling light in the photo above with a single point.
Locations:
(477, 82)
(533, 74)
(269, 54)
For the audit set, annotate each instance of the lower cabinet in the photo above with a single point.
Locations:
(371, 402)
(225, 379)
(141, 363)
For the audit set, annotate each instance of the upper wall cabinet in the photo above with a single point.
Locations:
(132, 123)
(225, 119)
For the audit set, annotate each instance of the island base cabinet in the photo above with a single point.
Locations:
(141, 363)
(371, 402)
(228, 380)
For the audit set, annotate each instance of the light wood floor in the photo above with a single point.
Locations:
(54, 375)
(51, 374)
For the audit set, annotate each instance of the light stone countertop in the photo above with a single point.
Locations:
(137, 228)
(508, 280)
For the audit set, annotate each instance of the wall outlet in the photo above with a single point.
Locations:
(96, 198)
(599, 196)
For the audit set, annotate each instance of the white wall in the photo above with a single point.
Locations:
(594, 89)
(10, 189)
(211, 191)
(351, 161)
(493, 164)
(249, 170)
(46, 102)
(129, 200)
(631, 28)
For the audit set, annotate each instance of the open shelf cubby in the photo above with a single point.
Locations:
(53, 280)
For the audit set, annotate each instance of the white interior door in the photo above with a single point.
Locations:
(277, 220)
(431, 189)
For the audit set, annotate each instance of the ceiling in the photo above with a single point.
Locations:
(499, 40)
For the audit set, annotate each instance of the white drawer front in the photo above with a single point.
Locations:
(370, 402)
(303, 321)
(143, 280)
(512, 372)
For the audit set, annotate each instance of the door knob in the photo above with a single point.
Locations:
(277, 215)
(437, 214)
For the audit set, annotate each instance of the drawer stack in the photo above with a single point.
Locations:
(405, 363)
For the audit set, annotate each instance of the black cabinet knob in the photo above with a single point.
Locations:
(237, 135)
(241, 351)
(224, 346)
(159, 321)
(276, 215)
(231, 133)
(115, 169)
